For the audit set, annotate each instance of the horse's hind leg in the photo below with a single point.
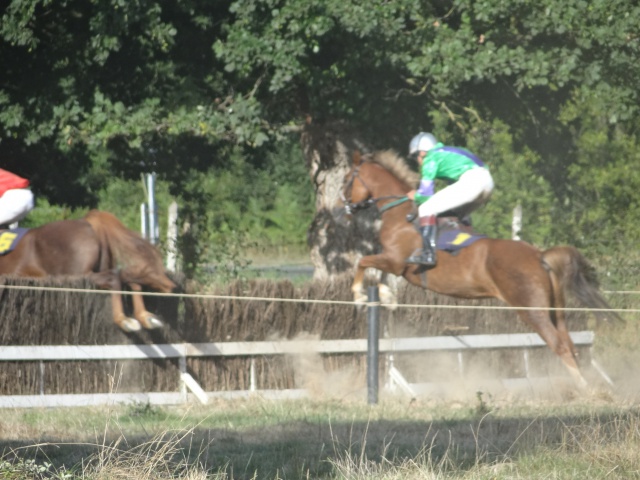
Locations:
(146, 318)
(557, 315)
(560, 343)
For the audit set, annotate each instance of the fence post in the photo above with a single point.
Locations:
(373, 343)
(516, 222)
(182, 367)
(172, 237)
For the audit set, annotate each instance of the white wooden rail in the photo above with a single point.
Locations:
(182, 351)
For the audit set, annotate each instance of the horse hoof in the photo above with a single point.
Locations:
(151, 323)
(360, 298)
(130, 325)
(387, 297)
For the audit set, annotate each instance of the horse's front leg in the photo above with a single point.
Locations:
(382, 262)
(146, 318)
(110, 280)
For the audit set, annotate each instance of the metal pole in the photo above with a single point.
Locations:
(373, 343)
(152, 212)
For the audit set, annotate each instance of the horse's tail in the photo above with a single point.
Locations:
(137, 260)
(577, 276)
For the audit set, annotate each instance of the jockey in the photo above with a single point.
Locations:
(16, 200)
(470, 187)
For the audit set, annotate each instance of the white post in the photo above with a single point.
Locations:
(525, 355)
(252, 375)
(182, 366)
(516, 224)
(461, 363)
(172, 237)
(41, 377)
(143, 221)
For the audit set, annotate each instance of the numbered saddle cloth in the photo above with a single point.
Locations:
(9, 239)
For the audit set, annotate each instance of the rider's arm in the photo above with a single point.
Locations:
(427, 185)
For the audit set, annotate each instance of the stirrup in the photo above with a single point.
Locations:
(419, 257)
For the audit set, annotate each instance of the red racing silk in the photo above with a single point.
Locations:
(11, 181)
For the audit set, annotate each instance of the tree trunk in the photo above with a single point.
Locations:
(335, 241)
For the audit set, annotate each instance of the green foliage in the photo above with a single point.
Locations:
(100, 93)
(124, 197)
(21, 469)
(249, 205)
(44, 212)
(224, 213)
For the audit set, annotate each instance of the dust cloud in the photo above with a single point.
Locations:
(312, 374)
(494, 376)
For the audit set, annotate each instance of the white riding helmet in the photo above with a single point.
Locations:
(422, 142)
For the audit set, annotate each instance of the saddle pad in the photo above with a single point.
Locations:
(454, 240)
(9, 239)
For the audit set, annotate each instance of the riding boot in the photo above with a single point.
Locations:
(427, 256)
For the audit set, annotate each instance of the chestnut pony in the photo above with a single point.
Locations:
(100, 247)
(512, 271)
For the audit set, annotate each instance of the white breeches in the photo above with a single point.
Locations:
(471, 190)
(14, 205)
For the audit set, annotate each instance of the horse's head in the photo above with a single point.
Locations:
(355, 193)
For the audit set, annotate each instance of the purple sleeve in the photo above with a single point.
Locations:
(426, 188)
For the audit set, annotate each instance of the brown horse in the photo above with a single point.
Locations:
(98, 246)
(512, 271)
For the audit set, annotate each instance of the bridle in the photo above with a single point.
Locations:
(351, 207)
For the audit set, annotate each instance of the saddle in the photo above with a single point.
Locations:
(454, 232)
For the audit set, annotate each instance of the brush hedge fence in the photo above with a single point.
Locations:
(237, 312)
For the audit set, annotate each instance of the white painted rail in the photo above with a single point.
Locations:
(183, 351)
(250, 349)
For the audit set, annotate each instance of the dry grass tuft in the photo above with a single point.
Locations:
(163, 457)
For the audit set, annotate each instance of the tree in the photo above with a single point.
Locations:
(389, 69)
(118, 88)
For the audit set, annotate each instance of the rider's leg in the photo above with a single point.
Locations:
(428, 231)
(473, 186)
(472, 189)
(14, 205)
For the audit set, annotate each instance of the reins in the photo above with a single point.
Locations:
(395, 203)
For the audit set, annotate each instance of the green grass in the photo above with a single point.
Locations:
(261, 439)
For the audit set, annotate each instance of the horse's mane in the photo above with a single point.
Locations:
(395, 164)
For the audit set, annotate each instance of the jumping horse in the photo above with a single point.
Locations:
(101, 248)
(512, 271)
